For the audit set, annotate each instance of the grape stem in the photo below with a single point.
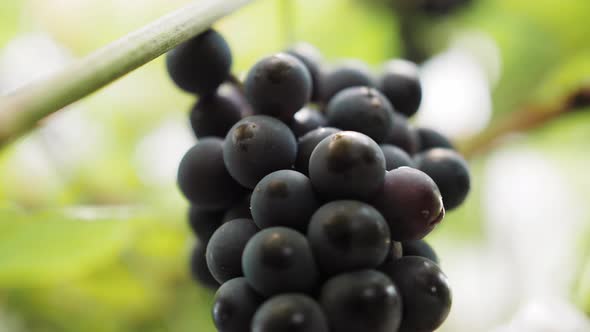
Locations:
(528, 118)
(22, 110)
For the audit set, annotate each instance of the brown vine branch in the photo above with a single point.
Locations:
(528, 118)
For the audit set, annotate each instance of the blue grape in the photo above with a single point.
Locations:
(347, 165)
(284, 198)
(450, 172)
(290, 313)
(345, 75)
(365, 300)
(279, 260)
(400, 83)
(425, 292)
(361, 109)
(204, 179)
(257, 146)
(347, 236)
(396, 157)
(234, 306)
(224, 251)
(200, 64)
(279, 86)
(430, 139)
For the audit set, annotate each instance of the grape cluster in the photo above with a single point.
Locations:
(311, 192)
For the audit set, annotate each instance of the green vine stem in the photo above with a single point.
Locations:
(21, 111)
(528, 118)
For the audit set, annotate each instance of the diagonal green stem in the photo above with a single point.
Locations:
(22, 110)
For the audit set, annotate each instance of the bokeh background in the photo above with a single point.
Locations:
(92, 227)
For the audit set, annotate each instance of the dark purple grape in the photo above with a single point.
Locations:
(306, 120)
(307, 144)
(364, 300)
(403, 134)
(234, 306)
(257, 146)
(284, 198)
(278, 86)
(279, 260)
(425, 292)
(240, 210)
(290, 313)
(347, 236)
(361, 109)
(396, 157)
(204, 179)
(201, 64)
(345, 75)
(199, 270)
(214, 115)
(204, 223)
(410, 202)
(420, 248)
(450, 172)
(224, 251)
(430, 139)
(400, 83)
(347, 165)
(312, 59)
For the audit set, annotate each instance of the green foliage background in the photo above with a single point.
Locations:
(124, 268)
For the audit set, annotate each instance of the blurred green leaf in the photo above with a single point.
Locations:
(46, 248)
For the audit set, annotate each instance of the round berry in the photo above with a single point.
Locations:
(361, 109)
(425, 292)
(204, 179)
(430, 139)
(347, 165)
(214, 114)
(396, 157)
(450, 173)
(234, 306)
(345, 75)
(279, 260)
(400, 83)
(365, 300)
(257, 146)
(224, 251)
(278, 86)
(410, 202)
(290, 313)
(200, 64)
(284, 198)
(347, 236)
